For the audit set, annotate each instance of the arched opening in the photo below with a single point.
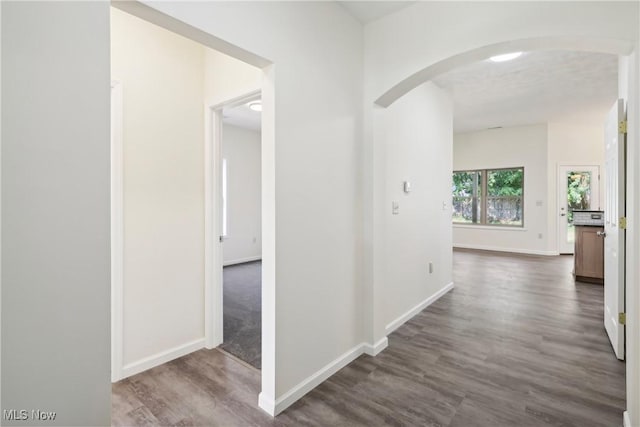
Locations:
(381, 133)
(598, 45)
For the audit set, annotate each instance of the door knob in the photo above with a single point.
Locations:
(601, 233)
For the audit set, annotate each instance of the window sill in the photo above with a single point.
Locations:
(490, 227)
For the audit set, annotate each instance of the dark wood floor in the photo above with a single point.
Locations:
(516, 343)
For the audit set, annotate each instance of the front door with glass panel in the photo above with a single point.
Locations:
(578, 189)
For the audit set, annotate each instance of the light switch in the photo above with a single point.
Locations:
(395, 208)
(407, 187)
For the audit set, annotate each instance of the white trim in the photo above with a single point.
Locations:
(212, 257)
(163, 20)
(162, 357)
(626, 421)
(242, 260)
(213, 263)
(489, 227)
(500, 249)
(375, 349)
(236, 101)
(311, 382)
(267, 404)
(0, 205)
(275, 407)
(117, 233)
(417, 309)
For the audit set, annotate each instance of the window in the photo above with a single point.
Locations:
(488, 197)
(467, 197)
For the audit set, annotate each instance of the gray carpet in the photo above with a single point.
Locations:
(242, 311)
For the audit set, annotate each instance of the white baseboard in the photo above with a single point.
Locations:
(242, 260)
(267, 404)
(375, 349)
(626, 421)
(311, 382)
(501, 249)
(417, 309)
(162, 357)
(275, 407)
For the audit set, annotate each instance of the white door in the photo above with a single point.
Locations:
(578, 188)
(614, 241)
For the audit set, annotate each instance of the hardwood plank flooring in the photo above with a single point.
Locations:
(516, 343)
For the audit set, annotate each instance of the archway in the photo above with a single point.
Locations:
(583, 44)
(628, 85)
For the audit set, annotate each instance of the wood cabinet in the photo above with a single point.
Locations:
(589, 254)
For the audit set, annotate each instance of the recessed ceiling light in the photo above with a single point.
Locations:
(505, 57)
(255, 105)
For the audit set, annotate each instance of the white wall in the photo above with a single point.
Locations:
(241, 149)
(162, 76)
(521, 146)
(227, 78)
(577, 144)
(540, 148)
(55, 211)
(418, 148)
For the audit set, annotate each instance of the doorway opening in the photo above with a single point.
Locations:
(578, 189)
(236, 151)
(165, 195)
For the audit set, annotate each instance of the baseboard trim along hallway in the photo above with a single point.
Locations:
(160, 358)
(275, 407)
(311, 382)
(375, 349)
(417, 309)
(507, 250)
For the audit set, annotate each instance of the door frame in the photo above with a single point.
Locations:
(267, 396)
(117, 232)
(213, 262)
(559, 202)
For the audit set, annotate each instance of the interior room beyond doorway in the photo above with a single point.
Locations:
(165, 80)
(241, 230)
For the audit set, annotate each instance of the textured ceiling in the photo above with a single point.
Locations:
(537, 87)
(367, 11)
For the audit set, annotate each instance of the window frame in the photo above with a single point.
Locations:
(484, 196)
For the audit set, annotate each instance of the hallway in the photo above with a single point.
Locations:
(516, 342)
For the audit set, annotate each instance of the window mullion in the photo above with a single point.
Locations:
(483, 209)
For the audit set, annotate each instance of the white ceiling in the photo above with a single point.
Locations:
(367, 11)
(537, 87)
(242, 116)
